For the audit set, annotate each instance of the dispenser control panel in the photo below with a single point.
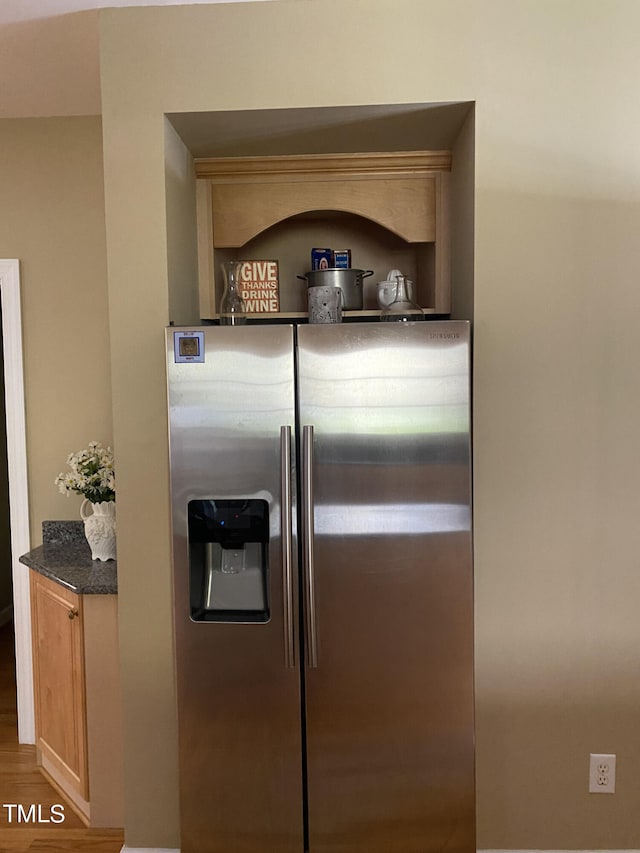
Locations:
(188, 347)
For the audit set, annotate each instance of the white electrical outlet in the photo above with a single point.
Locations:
(602, 773)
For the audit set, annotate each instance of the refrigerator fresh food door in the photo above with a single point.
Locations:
(232, 440)
(386, 524)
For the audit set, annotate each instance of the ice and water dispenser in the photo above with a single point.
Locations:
(228, 560)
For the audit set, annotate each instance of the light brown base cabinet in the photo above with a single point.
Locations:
(391, 209)
(77, 698)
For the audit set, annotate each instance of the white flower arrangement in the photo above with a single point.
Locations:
(92, 474)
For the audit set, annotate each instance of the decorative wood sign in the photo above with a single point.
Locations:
(260, 287)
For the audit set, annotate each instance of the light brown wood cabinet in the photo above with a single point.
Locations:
(390, 209)
(77, 698)
(59, 678)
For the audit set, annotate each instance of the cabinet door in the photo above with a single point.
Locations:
(58, 658)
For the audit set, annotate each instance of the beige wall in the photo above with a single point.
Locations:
(52, 219)
(49, 66)
(556, 414)
(182, 250)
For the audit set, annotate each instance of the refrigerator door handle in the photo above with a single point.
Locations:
(308, 533)
(286, 535)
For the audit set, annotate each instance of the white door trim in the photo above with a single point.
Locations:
(18, 490)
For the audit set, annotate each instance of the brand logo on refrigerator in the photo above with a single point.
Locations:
(445, 336)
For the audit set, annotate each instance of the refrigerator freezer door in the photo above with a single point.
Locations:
(389, 682)
(231, 409)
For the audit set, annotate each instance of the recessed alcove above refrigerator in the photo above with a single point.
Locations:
(373, 248)
(393, 183)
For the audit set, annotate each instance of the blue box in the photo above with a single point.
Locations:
(342, 259)
(321, 259)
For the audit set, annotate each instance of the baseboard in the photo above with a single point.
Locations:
(126, 849)
(6, 615)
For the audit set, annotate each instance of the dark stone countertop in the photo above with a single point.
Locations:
(65, 557)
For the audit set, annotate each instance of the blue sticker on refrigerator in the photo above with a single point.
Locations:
(188, 347)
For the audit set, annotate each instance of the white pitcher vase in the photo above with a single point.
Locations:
(100, 528)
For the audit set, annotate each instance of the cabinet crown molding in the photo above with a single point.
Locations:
(304, 165)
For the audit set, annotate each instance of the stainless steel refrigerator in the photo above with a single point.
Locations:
(321, 514)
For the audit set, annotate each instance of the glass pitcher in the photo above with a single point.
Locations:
(402, 309)
(233, 311)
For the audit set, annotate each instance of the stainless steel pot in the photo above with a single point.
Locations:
(349, 281)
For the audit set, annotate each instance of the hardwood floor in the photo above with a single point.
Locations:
(22, 786)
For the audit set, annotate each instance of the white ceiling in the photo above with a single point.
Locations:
(12, 11)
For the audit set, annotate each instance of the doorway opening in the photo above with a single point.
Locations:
(16, 449)
(6, 584)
